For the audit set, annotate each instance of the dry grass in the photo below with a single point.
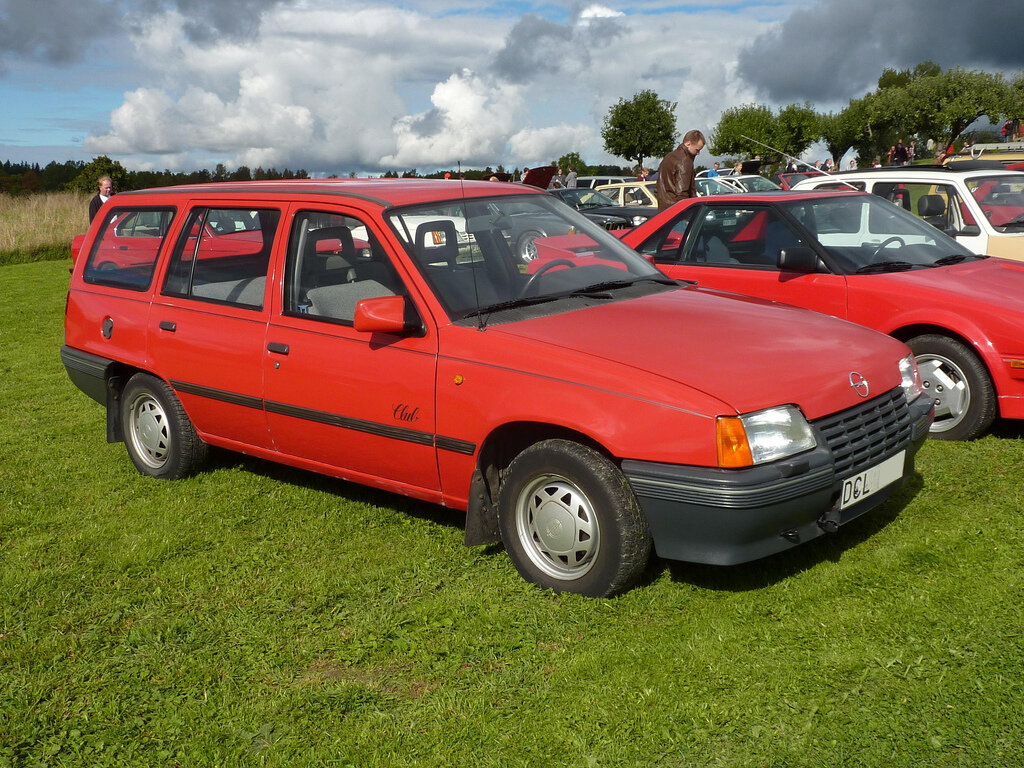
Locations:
(36, 222)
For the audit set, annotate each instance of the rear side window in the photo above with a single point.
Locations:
(125, 251)
(223, 255)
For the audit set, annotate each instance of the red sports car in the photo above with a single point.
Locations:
(861, 258)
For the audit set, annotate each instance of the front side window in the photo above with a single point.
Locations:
(487, 255)
(739, 236)
(1001, 199)
(125, 252)
(223, 255)
(334, 262)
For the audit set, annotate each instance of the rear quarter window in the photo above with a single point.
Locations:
(125, 251)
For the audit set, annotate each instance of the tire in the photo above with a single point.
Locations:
(160, 439)
(570, 521)
(526, 250)
(959, 383)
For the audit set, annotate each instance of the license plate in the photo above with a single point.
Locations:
(860, 486)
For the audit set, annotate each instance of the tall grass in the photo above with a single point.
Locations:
(40, 227)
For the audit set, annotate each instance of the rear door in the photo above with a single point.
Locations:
(208, 322)
(357, 404)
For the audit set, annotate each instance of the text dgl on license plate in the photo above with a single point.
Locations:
(860, 486)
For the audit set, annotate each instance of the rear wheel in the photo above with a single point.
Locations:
(570, 521)
(958, 382)
(160, 439)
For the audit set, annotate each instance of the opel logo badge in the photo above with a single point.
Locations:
(859, 384)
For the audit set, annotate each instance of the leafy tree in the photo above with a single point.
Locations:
(640, 128)
(844, 129)
(573, 159)
(88, 178)
(748, 129)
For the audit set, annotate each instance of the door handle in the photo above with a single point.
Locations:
(277, 348)
(167, 325)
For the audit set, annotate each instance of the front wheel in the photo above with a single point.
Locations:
(570, 521)
(160, 439)
(959, 384)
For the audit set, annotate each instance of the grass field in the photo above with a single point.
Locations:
(259, 616)
(40, 227)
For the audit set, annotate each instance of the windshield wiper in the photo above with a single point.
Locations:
(525, 301)
(886, 266)
(945, 261)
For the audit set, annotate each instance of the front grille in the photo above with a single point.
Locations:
(613, 225)
(864, 435)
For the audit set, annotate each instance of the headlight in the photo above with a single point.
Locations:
(911, 378)
(638, 220)
(763, 436)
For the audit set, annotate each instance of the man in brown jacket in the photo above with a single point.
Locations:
(675, 174)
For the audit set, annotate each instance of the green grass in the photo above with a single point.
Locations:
(255, 615)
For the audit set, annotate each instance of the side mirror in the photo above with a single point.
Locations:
(798, 258)
(971, 230)
(384, 314)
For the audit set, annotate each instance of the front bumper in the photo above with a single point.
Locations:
(726, 517)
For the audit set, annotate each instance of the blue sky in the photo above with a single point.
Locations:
(335, 86)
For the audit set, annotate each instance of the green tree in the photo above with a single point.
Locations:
(88, 178)
(640, 128)
(573, 159)
(751, 128)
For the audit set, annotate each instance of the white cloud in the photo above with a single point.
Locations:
(331, 86)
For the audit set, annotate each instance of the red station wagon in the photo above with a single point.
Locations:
(580, 408)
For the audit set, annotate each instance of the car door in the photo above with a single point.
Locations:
(735, 247)
(208, 323)
(356, 404)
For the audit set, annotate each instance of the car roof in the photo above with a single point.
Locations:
(384, 192)
(775, 195)
(953, 169)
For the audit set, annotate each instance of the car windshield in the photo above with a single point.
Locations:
(712, 186)
(485, 255)
(757, 184)
(585, 198)
(1001, 197)
(864, 233)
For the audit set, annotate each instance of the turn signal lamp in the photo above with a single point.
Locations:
(733, 448)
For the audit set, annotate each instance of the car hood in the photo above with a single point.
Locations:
(987, 283)
(745, 353)
(621, 211)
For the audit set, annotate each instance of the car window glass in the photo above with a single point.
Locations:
(740, 236)
(223, 255)
(512, 250)
(667, 245)
(334, 262)
(1001, 198)
(125, 251)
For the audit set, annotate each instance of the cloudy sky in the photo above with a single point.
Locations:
(336, 86)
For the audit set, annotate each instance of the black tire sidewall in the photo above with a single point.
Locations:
(625, 539)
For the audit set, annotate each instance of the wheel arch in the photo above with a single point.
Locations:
(908, 332)
(496, 452)
(117, 376)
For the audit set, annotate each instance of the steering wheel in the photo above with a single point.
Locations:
(887, 241)
(540, 271)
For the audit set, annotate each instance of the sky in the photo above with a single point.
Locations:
(342, 86)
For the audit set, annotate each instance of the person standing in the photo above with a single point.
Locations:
(570, 178)
(714, 170)
(900, 156)
(106, 187)
(676, 173)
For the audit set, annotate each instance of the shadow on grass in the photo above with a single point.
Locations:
(344, 489)
(1008, 429)
(776, 568)
(735, 578)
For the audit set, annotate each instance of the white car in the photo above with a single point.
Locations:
(599, 181)
(979, 203)
(641, 193)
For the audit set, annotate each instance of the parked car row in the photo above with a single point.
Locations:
(581, 406)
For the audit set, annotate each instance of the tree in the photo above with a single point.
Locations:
(751, 128)
(640, 128)
(573, 159)
(88, 178)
